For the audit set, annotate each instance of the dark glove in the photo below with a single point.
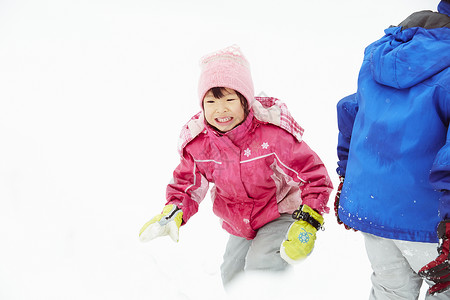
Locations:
(438, 270)
(336, 203)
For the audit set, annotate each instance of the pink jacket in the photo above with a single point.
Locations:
(260, 169)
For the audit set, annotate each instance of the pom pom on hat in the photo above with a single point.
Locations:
(226, 68)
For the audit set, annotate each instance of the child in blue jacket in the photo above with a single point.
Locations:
(394, 157)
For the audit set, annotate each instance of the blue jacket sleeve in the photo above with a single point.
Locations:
(346, 114)
(440, 171)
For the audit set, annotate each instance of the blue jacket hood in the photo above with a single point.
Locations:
(408, 54)
(444, 8)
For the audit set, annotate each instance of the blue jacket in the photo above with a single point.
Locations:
(394, 144)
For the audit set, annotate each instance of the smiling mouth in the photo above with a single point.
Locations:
(224, 120)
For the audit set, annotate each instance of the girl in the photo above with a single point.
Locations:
(252, 150)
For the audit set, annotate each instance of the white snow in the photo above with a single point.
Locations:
(92, 97)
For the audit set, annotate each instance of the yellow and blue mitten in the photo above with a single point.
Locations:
(301, 235)
(166, 223)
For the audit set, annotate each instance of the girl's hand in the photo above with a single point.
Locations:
(301, 235)
(166, 223)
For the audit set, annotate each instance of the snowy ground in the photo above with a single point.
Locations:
(92, 97)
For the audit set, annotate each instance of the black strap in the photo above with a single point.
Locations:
(173, 212)
(299, 214)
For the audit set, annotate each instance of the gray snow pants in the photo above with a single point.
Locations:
(262, 253)
(395, 265)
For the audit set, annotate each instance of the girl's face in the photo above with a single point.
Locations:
(224, 113)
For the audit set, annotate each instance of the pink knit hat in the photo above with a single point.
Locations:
(226, 68)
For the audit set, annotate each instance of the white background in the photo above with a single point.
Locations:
(92, 98)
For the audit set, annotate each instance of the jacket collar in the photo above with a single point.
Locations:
(237, 134)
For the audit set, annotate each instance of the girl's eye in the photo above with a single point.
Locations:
(231, 99)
